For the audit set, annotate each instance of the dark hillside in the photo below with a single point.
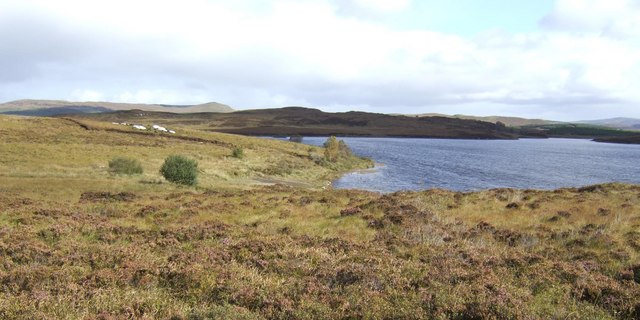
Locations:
(313, 122)
(625, 140)
(575, 130)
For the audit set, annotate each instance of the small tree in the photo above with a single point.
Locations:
(122, 165)
(179, 169)
(331, 149)
(335, 149)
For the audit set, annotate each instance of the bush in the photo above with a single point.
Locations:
(237, 152)
(121, 165)
(335, 150)
(179, 169)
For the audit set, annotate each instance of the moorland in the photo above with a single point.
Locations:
(264, 236)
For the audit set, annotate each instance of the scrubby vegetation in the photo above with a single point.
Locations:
(123, 165)
(77, 243)
(237, 152)
(338, 156)
(180, 170)
(281, 252)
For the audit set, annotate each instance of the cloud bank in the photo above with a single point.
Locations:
(582, 62)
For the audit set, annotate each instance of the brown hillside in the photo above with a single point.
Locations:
(509, 121)
(313, 122)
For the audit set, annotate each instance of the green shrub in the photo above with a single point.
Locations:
(335, 150)
(179, 169)
(121, 165)
(237, 152)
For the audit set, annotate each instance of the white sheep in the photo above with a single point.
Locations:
(171, 131)
(160, 128)
(139, 127)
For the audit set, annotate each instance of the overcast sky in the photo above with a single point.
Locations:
(562, 59)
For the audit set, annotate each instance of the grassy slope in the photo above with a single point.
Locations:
(48, 152)
(76, 242)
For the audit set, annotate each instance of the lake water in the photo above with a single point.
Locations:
(416, 164)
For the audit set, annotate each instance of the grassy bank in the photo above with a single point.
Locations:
(63, 157)
(77, 242)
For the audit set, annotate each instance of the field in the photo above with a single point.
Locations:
(262, 237)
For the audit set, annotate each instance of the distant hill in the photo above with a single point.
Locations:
(508, 121)
(620, 123)
(48, 112)
(56, 107)
(624, 140)
(313, 122)
(577, 130)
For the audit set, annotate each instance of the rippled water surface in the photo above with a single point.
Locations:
(414, 164)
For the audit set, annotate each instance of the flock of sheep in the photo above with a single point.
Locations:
(141, 127)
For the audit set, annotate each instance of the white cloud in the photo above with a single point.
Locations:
(610, 17)
(309, 52)
(87, 95)
(384, 5)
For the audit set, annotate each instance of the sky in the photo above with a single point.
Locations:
(552, 59)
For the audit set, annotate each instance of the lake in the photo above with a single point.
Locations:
(465, 165)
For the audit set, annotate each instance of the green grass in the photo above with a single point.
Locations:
(123, 165)
(55, 150)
